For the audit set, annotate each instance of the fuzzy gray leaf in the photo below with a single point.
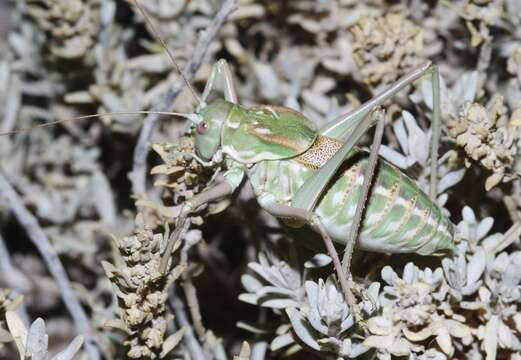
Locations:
(37, 341)
(171, 342)
(301, 329)
(71, 350)
(317, 261)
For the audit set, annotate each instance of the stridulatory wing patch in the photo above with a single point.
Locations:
(323, 149)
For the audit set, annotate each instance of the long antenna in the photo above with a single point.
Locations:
(52, 123)
(156, 33)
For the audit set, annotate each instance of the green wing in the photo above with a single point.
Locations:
(266, 133)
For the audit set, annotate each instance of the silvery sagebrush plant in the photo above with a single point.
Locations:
(489, 137)
(415, 317)
(487, 133)
(142, 291)
(466, 308)
(326, 324)
(33, 343)
(489, 284)
(316, 313)
(180, 177)
(386, 47)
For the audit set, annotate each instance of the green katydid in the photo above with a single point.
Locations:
(294, 169)
(291, 166)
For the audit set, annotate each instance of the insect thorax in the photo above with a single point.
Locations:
(262, 133)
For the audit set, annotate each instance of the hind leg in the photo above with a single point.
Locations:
(221, 78)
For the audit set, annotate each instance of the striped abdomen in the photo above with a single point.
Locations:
(398, 217)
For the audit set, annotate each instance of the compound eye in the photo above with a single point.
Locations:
(202, 127)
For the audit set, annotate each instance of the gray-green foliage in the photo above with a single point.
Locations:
(142, 292)
(470, 303)
(33, 344)
(64, 58)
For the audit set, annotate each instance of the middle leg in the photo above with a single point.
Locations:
(290, 212)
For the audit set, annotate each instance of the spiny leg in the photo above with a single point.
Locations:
(436, 131)
(343, 126)
(285, 211)
(362, 200)
(306, 198)
(221, 78)
(350, 128)
(219, 191)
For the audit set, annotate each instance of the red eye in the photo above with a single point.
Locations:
(202, 127)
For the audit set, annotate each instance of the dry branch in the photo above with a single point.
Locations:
(49, 255)
(195, 349)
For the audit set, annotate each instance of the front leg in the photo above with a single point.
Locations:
(219, 191)
(232, 179)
